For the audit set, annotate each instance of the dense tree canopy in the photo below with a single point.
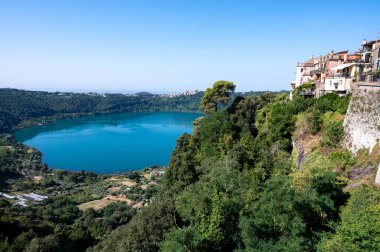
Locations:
(20, 108)
(232, 185)
(217, 95)
(24, 108)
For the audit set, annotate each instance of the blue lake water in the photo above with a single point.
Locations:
(110, 143)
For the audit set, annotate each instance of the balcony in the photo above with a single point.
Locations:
(340, 75)
(369, 77)
(318, 71)
(338, 83)
(308, 73)
(307, 92)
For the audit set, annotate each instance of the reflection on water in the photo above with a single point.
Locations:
(109, 143)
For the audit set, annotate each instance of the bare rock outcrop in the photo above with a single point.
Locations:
(360, 172)
(377, 178)
(362, 121)
(303, 143)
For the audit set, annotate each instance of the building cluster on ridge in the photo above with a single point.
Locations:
(340, 72)
(95, 94)
(193, 92)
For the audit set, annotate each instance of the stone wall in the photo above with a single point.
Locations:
(362, 122)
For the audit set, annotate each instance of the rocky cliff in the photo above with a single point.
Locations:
(362, 121)
(377, 179)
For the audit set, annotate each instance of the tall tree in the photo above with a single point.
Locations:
(217, 95)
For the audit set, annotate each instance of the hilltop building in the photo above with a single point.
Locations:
(340, 72)
(180, 94)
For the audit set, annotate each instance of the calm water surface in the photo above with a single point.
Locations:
(111, 143)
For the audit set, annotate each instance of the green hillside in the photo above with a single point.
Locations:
(238, 183)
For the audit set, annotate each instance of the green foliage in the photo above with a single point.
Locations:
(217, 95)
(15, 158)
(359, 229)
(185, 239)
(211, 206)
(331, 116)
(341, 160)
(229, 187)
(213, 132)
(144, 232)
(308, 86)
(243, 112)
(56, 224)
(275, 221)
(20, 108)
(25, 108)
(7, 120)
(287, 219)
(281, 125)
(333, 134)
(135, 176)
(316, 122)
(49, 243)
(181, 171)
(332, 102)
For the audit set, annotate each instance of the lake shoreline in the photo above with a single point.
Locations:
(44, 120)
(156, 138)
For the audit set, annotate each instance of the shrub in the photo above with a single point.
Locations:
(315, 122)
(333, 134)
(342, 159)
(359, 229)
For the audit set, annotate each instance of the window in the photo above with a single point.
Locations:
(301, 70)
(378, 52)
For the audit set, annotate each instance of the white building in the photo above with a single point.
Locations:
(346, 74)
(304, 73)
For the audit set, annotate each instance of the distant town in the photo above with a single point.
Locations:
(340, 72)
(185, 93)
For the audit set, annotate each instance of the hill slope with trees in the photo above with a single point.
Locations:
(238, 183)
(233, 185)
(21, 108)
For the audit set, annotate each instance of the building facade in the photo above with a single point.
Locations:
(339, 72)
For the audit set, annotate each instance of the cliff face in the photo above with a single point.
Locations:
(303, 142)
(362, 121)
(377, 179)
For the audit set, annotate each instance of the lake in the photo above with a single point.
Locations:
(109, 143)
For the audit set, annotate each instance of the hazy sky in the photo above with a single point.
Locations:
(168, 46)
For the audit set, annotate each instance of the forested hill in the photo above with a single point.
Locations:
(234, 184)
(20, 108)
(238, 183)
(24, 108)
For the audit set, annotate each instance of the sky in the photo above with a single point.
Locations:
(166, 46)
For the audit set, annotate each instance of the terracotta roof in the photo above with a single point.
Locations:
(340, 52)
(371, 42)
(309, 63)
